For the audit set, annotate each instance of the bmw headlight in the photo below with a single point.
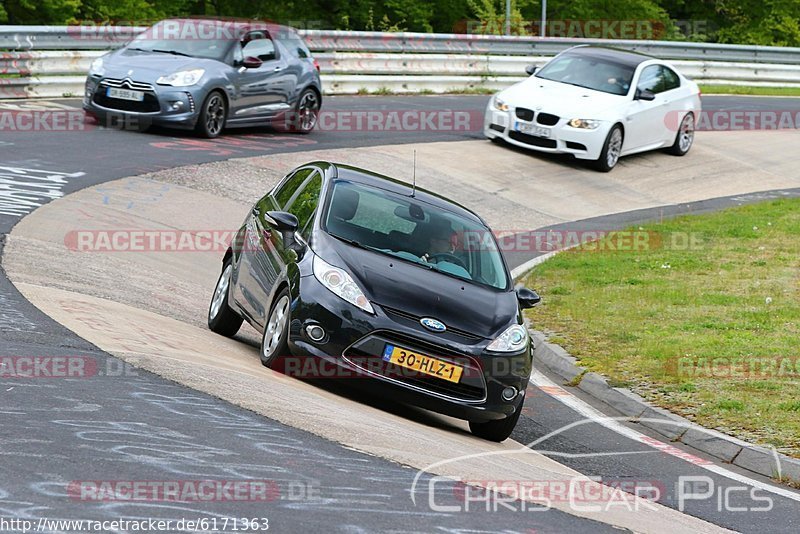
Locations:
(182, 78)
(513, 339)
(499, 104)
(340, 283)
(584, 124)
(97, 66)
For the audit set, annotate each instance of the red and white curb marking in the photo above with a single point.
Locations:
(614, 424)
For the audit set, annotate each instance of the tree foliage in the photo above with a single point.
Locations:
(766, 22)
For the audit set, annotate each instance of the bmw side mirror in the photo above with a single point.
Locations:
(530, 69)
(644, 94)
(251, 62)
(527, 298)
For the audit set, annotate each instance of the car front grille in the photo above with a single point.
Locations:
(547, 119)
(533, 140)
(524, 114)
(416, 318)
(366, 354)
(150, 103)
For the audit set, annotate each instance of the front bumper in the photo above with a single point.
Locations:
(562, 139)
(162, 106)
(355, 339)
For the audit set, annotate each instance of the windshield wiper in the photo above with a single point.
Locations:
(352, 242)
(173, 52)
(356, 244)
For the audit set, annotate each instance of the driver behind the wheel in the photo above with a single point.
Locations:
(440, 239)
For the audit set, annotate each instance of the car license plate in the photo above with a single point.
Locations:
(532, 129)
(125, 94)
(422, 363)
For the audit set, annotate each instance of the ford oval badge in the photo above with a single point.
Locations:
(432, 324)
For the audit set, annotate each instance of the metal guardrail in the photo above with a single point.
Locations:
(51, 61)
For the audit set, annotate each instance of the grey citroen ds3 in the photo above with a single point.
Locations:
(207, 75)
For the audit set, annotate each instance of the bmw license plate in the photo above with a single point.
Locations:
(532, 129)
(125, 94)
(422, 363)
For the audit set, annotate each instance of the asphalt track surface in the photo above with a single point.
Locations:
(143, 427)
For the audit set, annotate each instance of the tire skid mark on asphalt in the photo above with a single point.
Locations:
(595, 416)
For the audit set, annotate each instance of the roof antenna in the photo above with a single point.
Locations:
(414, 176)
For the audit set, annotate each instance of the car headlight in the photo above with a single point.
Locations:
(340, 283)
(584, 124)
(499, 104)
(97, 66)
(513, 339)
(182, 78)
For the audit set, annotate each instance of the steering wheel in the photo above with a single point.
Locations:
(452, 258)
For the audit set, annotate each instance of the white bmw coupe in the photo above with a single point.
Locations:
(598, 104)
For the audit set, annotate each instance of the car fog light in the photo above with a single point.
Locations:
(509, 393)
(315, 332)
(176, 105)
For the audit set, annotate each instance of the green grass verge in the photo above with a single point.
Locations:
(709, 331)
(749, 90)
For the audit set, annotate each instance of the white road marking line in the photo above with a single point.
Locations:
(588, 411)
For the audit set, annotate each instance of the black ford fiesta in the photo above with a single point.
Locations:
(358, 273)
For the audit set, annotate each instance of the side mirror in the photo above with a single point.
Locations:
(282, 221)
(530, 69)
(527, 298)
(287, 224)
(644, 94)
(251, 62)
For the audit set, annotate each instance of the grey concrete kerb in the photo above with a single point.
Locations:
(760, 460)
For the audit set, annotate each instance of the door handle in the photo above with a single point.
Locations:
(278, 69)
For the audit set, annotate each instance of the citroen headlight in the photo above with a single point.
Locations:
(182, 78)
(340, 283)
(97, 66)
(584, 124)
(513, 339)
(499, 104)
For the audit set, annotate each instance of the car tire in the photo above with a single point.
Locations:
(213, 115)
(496, 430)
(612, 148)
(685, 136)
(306, 113)
(221, 318)
(275, 339)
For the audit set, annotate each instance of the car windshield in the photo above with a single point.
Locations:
(416, 232)
(599, 74)
(200, 39)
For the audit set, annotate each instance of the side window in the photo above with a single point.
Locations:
(257, 44)
(289, 187)
(304, 202)
(671, 80)
(651, 79)
(295, 45)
